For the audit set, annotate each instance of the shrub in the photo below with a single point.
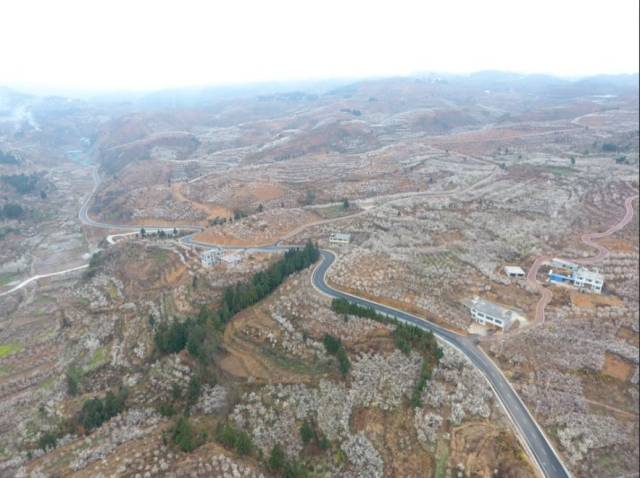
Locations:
(323, 442)
(230, 437)
(184, 436)
(171, 338)
(276, 458)
(47, 441)
(293, 469)
(331, 344)
(96, 411)
(306, 432)
(194, 390)
(166, 409)
(344, 365)
(244, 444)
(74, 377)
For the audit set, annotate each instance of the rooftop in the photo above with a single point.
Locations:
(341, 236)
(589, 274)
(514, 270)
(494, 310)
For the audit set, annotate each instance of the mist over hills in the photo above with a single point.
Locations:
(182, 97)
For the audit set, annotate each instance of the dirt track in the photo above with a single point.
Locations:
(589, 240)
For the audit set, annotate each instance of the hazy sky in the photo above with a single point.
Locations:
(140, 44)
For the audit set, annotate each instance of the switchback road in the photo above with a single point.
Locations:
(589, 240)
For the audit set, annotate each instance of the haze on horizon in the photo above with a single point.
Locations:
(141, 45)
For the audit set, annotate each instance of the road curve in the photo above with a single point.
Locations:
(41, 276)
(588, 239)
(529, 432)
(83, 215)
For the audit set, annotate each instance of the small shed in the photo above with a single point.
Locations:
(339, 238)
(514, 271)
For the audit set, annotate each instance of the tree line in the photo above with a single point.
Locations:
(406, 338)
(200, 335)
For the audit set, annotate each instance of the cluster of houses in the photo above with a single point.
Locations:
(561, 272)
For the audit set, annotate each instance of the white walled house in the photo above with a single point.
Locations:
(339, 238)
(488, 313)
(211, 256)
(581, 278)
(232, 259)
(590, 281)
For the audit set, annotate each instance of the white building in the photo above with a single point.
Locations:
(590, 281)
(581, 278)
(211, 256)
(339, 238)
(232, 259)
(514, 271)
(485, 312)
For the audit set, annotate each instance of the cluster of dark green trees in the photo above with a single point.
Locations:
(201, 335)
(406, 338)
(22, 183)
(96, 411)
(283, 467)
(333, 346)
(95, 263)
(310, 433)
(185, 437)
(234, 439)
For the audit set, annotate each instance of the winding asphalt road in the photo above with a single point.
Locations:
(529, 432)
